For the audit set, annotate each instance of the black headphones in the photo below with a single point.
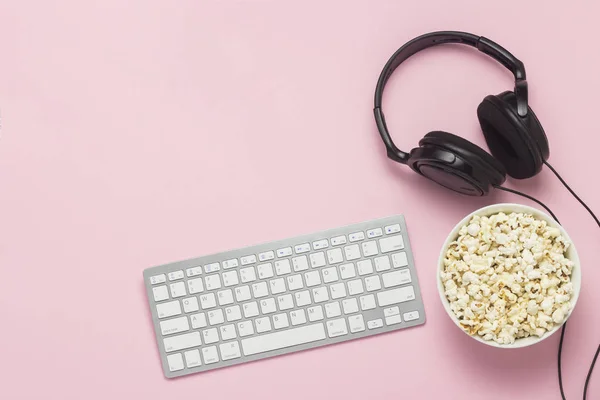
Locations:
(513, 133)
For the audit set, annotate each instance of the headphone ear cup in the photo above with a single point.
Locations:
(469, 152)
(520, 144)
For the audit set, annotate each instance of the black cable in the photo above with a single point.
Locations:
(587, 381)
(530, 198)
(572, 192)
(562, 335)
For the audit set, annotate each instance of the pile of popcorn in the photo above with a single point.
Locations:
(506, 277)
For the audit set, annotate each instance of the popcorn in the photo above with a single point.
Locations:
(506, 277)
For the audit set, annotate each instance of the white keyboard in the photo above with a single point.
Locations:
(284, 296)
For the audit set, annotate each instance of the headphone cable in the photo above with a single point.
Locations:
(562, 335)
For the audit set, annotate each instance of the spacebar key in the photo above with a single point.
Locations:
(280, 340)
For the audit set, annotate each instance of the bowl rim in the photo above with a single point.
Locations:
(507, 208)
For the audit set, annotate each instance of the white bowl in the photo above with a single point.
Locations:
(570, 254)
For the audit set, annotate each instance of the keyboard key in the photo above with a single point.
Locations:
(190, 304)
(294, 282)
(265, 271)
(283, 267)
(209, 354)
(317, 259)
(262, 325)
(315, 313)
(277, 285)
(347, 271)
(170, 309)
(251, 309)
(382, 263)
(369, 248)
(266, 256)
(395, 296)
(225, 297)
(400, 260)
(388, 312)
(302, 298)
(298, 317)
(357, 323)
(392, 243)
(175, 362)
(365, 267)
(192, 358)
(320, 294)
(338, 291)
(230, 263)
(260, 289)
(280, 321)
(395, 319)
(300, 263)
(175, 275)
(333, 309)
(250, 259)
(396, 278)
(330, 274)
(208, 300)
(352, 252)
(312, 278)
(286, 251)
(180, 342)
(213, 267)
(367, 302)
(212, 282)
(267, 306)
(335, 256)
(392, 229)
(195, 285)
(233, 313)
(373, 233)
(175, 325)
(355, 287)
(215, 317)
(356, 236)
(227, 332)
(374, 324)
(320, 244)
(230, 278)
(245, 328)
(242, 293)
(230, 350)
(160, 293)
(194, 271)
(302, 248)
(338, 240)
(350, 306)
(410, 316)
(372, 283)
(177, 289)
(282, 339)
(210, 336)
(285, 302)
(156, 279)
(247, 274)
(337, 327)
(198, 320)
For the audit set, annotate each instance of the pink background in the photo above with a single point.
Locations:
(136, 133)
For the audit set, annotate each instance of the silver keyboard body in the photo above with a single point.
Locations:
(262, 301)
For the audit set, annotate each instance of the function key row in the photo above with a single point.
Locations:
(284, 252)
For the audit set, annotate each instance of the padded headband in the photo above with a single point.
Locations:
(428, 40)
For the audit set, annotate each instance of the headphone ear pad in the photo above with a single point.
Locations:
(519, 143)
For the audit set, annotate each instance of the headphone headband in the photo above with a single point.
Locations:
(428, 40)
